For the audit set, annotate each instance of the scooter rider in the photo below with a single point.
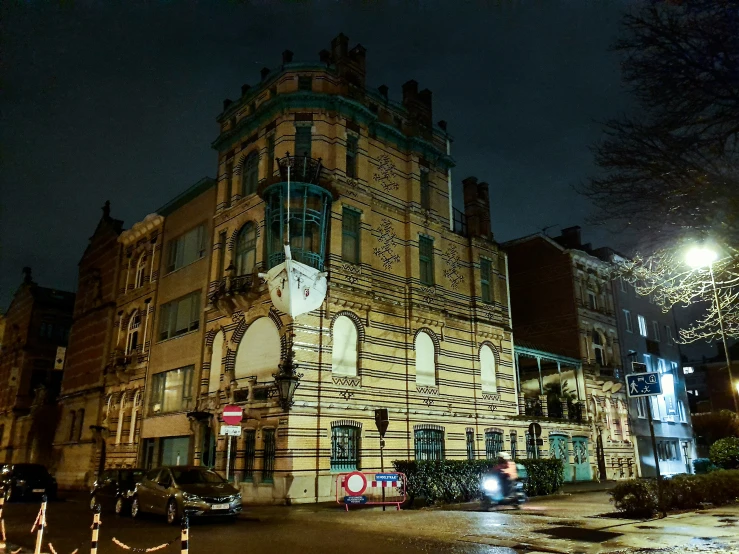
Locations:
(507, 470)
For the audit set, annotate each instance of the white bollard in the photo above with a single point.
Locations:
(41, 525)
(185, 535)
(95, 530)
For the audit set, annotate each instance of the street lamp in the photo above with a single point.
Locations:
(699, 257)
(287, 380)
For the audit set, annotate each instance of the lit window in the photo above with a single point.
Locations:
(426, 259)
(345, 447)
(171, 390)
(493, 444)
(641, 408)
(186, 249)
(655, 329)
(687, 370)
(429, 444)
(628, 321)
(642, 325)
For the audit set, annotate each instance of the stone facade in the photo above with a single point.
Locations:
(37, 323)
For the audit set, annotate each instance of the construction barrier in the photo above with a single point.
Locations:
(379, 489)
(40, 524)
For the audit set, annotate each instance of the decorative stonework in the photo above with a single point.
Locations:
(491, 396)
(386, 237)
(427, 389)
(351, 188)
(352, 272)
(346, 394)
(385, 174)
(346, 381)
(451, 257)
(237, 316)
(428, 294)
(428, 401)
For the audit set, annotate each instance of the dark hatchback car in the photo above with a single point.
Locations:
(114, 489)
(192, 490)
(20, 481)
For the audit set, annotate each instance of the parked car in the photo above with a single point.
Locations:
(115, 488)
(27, 481)
(177, 490)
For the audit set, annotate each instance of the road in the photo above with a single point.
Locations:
(566, 524)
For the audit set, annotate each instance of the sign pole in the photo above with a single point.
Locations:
(228, 455)
(656, 457)
(382, 468)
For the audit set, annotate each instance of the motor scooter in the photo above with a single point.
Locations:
(493, 494)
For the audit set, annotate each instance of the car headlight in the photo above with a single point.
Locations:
(490, 485)
(235, 497)
(189, 496)
(20, 482)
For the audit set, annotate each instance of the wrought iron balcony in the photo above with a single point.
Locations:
(533, 407)
(575, 411)
(229, 286)
(303, 168)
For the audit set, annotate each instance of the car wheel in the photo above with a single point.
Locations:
(135, 508)
(93, 502)
(120, 506)
(172, 512)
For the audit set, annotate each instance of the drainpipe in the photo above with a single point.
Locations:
(449, 187)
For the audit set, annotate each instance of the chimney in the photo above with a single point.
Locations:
(325, 56)
(226, 103)
(442, 125)
(383, 90)
(410, 92)
(571, 237)
(244, 89)
(27, 275)
(476, 207)
(264, 73)
(106, 209)
(339, 47)
(287, 56)
(425, 97)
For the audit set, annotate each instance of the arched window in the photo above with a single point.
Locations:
(599, 348)
(487, 369)
(425, 359)
(216, 356)
(250, 174)
(246, 249)
(344, 352)
(140, 267)
(72, 425)
(132, 338)
(259, 352)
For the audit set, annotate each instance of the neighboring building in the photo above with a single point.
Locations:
(79, 445)
(648, 335)
(562, 301)
(37, 325)
(708, 383)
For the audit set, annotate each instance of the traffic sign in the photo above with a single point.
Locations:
(231, 430)
(643, 384)
(355, 500)
(382, 421)
(355, 483)
(386, 477)
(232, 415)
(535, 429)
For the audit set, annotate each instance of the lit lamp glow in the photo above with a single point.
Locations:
(700, 256)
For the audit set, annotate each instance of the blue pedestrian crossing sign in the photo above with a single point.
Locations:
(643, 384)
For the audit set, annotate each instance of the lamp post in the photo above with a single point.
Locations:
(287, 380)
(701, 257)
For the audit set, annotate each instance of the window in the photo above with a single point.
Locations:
(250, 175)
(344, 349)
(246, 249)
(222, 238)
(592, 300)
(628, 322)
(132, 339)
(487, 369)
(668, 450)
(229, 179)
(622, 283)
(72, 425)
(351, 156)
(140, 268)
(179, 316)
(598, 348)
(345, 441)
(186, 249)
(687, 370)
(268, 468)
(470, 441)
(258, 354)
(426, 259)
(668, 334)
(532, 449)
(514, 445)
(493, 444)
(216, 360)
(171, 390)
(303, 141)
(80, 423)
(270, 155)
(485, 290)
(425, 189)
(641, 408)
(305, 82)
(429, 444)
(642, 325)
(425, 359)
(250, 453)
(350, 229)
(655, 329)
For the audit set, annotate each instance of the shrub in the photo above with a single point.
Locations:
(703, 465)
(639, 498)
(447, 481)
(725, 453)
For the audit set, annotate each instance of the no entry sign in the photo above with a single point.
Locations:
(232, 415)
(355, 483)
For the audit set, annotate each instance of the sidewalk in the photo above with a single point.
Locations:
(587, 486)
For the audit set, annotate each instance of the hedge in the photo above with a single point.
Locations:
(448, 481)
(725, 453)
(639, 497)
(703, 465)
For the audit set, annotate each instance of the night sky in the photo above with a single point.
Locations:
(117, 100)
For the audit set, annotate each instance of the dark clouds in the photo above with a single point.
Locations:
(117, 100)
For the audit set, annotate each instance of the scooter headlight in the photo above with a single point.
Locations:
(491, 485)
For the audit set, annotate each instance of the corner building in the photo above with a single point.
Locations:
(416, 318)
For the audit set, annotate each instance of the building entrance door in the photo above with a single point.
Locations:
(581, 459)
(174, 451)
(558, 449)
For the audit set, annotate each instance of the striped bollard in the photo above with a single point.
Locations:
(2, 521)
(185, 536)
(95, 530)
(41, 525)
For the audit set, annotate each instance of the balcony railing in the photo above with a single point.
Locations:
(302, 168)
(533, 407)
(235, 285)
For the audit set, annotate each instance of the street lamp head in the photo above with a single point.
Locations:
(700, 256)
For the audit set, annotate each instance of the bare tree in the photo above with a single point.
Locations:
(671, 171)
